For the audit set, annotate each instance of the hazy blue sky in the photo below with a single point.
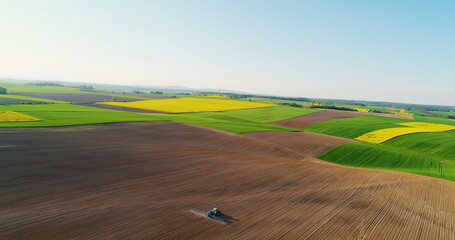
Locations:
(371, 50)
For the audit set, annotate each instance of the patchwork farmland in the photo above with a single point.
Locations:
(77, 97)
(102, 165)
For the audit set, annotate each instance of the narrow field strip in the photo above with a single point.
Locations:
(30, 88)
(365, 110)
(182, 105)
(67, 114)
(382, 135)
(30, 98)
(88, 97)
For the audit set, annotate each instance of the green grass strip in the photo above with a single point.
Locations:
(69, 114)
(236, 121)
(262, 115)
(28, 88)
(30, 98)
(367, 155)
(239, 121)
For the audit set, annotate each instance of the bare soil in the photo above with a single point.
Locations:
(139, 181)
(77, 97)
(313, 118)
(303, 144)
(16, 101)
(120, 108)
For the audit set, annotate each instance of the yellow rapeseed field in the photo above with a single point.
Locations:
(10, 116)
(403, 112)
(382, 135)
(182, 105)
(433, 126)
(362, 109)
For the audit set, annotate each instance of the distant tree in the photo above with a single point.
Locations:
(86, 87)
(333, 107)
(291, 104)
(137, 92)
(3, 90)
(156, 92)
(376, 111)
(47, 84)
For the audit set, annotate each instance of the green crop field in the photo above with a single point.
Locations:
(68, 114)
(237, 121)
(386, 157)
(430, 154)
(418, 113)
(439, 145)
(444, 113)
(30, 98)
(379, 109)
(229, 125)
(25, 88)
(434, 120)
(263, 115)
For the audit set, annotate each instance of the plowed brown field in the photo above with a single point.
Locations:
(138, 181)
(313, 118)
(303, 144)
(16, 101)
